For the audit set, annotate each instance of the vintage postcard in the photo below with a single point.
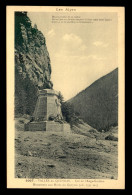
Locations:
(65, 97)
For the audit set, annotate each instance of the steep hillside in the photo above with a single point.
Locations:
(32, 64)
(98, 104)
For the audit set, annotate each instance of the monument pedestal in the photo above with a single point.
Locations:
(47, 108)
(47, 126)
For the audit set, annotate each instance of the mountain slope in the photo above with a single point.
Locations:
(98, 104)
(32, 64)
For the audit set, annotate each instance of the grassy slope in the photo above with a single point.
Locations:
(61, 155)
(98, 104)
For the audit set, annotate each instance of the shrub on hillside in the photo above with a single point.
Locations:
(111, 137)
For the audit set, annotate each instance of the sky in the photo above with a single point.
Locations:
(80, 53)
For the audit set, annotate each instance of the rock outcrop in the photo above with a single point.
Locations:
(32, 64)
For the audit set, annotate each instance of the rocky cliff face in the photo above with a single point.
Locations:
(32, 64)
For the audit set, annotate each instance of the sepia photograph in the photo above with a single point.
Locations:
(65, 89)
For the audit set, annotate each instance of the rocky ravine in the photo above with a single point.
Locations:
(32, 64)
(83, 153)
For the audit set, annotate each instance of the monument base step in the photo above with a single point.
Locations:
(47, 126)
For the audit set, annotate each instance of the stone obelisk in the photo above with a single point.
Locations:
(46, 104)
(47, 107)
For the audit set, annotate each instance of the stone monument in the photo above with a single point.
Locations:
(47, 115)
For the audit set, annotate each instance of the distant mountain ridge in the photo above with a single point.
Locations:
(98, 104)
